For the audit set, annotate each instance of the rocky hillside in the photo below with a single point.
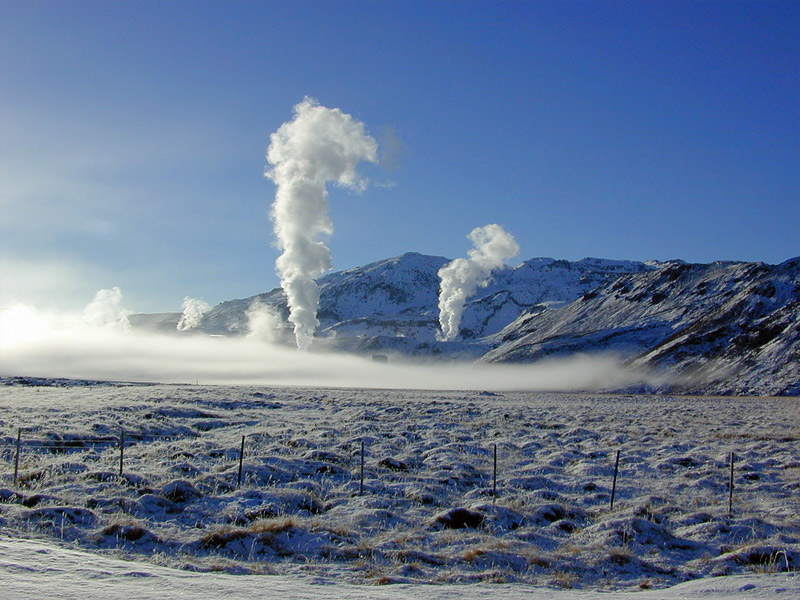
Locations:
(720, 328)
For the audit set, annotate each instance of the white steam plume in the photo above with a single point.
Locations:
(460, 278)
(264, 323)
(105, 310)
(193, 311)
(319, 145)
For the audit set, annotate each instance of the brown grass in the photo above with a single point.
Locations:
(539, 561)
(564, 579)
(473, 553)
(222, 537)
(273, 526)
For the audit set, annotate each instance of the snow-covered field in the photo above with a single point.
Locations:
(426, 514)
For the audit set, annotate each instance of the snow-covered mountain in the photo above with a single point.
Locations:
(722, 327)
(725, 327)
(391, 306)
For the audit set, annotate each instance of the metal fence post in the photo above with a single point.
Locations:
(361, 485)
(730, 488)
(16, 459)
(241, 461)
(121, 449)
(614, 484)
(494, 476)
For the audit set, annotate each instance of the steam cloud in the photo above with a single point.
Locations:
(319, 145)
(105, 310)
(193, 311)
(460, 278)
(264, 323)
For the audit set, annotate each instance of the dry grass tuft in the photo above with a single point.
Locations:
(129, 531)
(564, 579)
(620, 556)
(473, 553)
(220, 538)
(273, 526)
(539, 561)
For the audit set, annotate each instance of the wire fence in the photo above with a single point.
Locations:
(501, 472)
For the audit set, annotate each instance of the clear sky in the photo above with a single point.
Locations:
(134, 135)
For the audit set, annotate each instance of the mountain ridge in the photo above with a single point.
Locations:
(736, 321)
(739, 323)
(392, 304)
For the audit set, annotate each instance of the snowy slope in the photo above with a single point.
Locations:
(721, 327)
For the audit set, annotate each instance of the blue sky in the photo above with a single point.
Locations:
(133, 135)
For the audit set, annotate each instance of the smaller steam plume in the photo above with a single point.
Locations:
(105, 310)
(460, 278)
(264, 322)
(193, 311)
(319, 145)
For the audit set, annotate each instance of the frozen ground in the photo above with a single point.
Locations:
(427, 513)
(32, 569)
